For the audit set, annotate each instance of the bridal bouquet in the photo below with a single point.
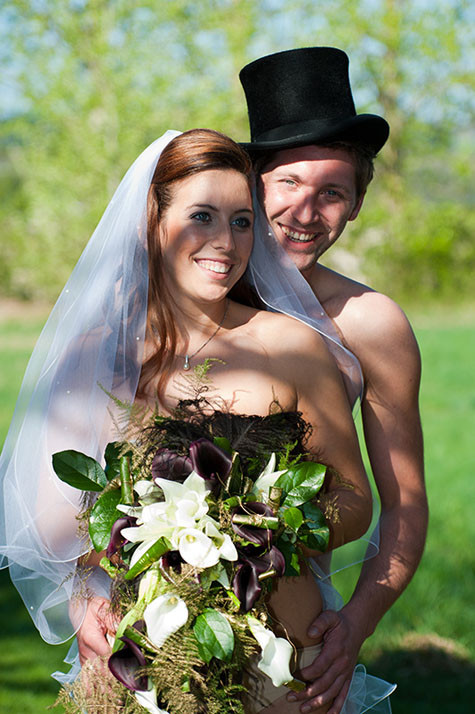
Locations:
(193, 537)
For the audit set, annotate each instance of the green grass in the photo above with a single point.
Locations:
(426, 643)
(26, 662)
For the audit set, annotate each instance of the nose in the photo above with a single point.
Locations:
(224, 238)
(305, 209)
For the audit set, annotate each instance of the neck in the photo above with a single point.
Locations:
(310, 274)
(196, 323)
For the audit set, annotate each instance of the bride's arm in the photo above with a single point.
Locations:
(333, 441)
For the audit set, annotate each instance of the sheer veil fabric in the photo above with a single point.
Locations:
(92, 344)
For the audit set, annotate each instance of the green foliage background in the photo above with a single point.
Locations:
(87, 84)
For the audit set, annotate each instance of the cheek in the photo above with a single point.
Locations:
(276, 201)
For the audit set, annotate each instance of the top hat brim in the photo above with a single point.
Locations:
(368, 130)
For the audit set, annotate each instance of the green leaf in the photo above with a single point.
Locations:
(234, 480)
(79, 470)
(293, 517)
(223, 444)
(112, 454)
(301, 482)
(314, 533)
(214, 636)
(292, 565)
(150, 556)
(103, 516)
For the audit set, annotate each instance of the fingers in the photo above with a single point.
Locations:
(325, 698)
(337, 705)
(324, 622)
(91, 635)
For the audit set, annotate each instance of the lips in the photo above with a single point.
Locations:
(298, 236)
(214, 266)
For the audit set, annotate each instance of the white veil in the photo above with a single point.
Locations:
(91, 344)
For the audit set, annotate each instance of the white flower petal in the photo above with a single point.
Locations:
(222, 541)
(188, 499)
(147, 492)
(264, 482)
(227, 550)
(275, 653)
(164, 616)
(148, 700)
(270, 466)
(135, 511)
(196, 548)
(139, 551)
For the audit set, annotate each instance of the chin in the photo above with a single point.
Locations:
(302, 261)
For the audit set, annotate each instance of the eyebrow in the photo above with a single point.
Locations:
(342, 186)
(213, 208)
(298, 177)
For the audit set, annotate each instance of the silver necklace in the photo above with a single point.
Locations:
(187, 357)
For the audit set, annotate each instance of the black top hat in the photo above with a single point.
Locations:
(303, 96)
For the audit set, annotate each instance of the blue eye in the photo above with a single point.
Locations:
(241, 222)
(331, 193)
(202, 217)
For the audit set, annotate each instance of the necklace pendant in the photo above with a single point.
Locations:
(186, 365)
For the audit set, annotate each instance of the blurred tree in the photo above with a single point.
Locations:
(413, 62)
(92, 82)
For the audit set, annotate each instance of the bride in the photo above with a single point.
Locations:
(150, 299)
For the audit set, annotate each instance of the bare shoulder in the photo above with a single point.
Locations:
(277, 330)
(369, 322)
(375, 321)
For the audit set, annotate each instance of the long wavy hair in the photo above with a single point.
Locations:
(189, 153)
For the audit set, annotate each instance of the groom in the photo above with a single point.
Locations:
(314, 158)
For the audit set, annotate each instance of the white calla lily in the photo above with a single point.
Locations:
(266, 480)
(164, 616)
(275, 653)
(222, 541)
(148, 585)
(195, 547)
(148, 700)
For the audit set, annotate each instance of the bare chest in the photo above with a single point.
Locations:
(240, 377)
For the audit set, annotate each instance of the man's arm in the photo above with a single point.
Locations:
(390, 359)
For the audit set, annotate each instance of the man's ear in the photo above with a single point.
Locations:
(357, 208)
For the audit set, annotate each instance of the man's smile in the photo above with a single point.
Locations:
(298, 236)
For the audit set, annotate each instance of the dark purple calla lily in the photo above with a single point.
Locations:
(167, 464)
(210, 462)
(117, 540)
(253, 562)
(253, 534)
(172, 559)
(125, 663)
(246, 585)
(271, 559)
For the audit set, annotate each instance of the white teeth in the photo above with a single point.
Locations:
(300, 237)
(214, 266)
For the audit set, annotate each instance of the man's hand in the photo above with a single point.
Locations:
(332, 670)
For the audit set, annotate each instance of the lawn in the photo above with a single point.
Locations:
(426, 643)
